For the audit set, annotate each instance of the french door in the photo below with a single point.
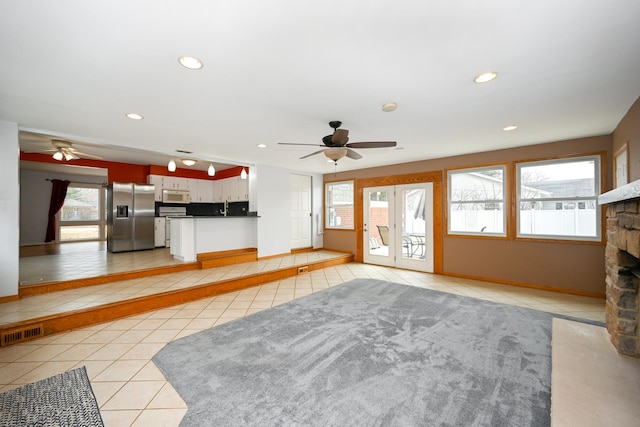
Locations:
(398, 226)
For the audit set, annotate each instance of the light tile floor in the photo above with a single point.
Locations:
(131, 391)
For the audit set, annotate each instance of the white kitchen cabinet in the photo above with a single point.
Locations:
(217, 191)
(204, 190)
(243, 189)
(175, 183)
(235, 189)
(159, 231)
(157, 181)
(192, 186)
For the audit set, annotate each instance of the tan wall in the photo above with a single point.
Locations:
(575, 267)
(628, 131)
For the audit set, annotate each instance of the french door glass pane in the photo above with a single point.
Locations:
(379, 223)
(413, 223)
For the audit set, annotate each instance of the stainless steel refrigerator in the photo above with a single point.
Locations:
(130, 216)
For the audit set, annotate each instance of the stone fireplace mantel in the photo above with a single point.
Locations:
(622, 262)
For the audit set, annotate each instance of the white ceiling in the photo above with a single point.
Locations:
(280, 70)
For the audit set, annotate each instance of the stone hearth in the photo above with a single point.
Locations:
(622, 264)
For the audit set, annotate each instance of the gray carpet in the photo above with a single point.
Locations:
(62, 400)
(368, 353)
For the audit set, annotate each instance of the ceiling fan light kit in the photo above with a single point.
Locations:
(335, 153)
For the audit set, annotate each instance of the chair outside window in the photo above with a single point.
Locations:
(406, 241)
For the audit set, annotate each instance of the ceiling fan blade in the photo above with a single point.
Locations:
(312, 154)
(372, 144)
(353, 155)
(340, 136)
(296, 143)
(81, 154)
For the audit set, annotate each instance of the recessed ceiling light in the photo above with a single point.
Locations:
(508, 128)
(262, 145)
(389, 106)
(134, 116)
(190, 62)
(188, 162)
(486, 77)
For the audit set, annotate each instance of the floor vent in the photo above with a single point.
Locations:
(15, 336)
(302, 270)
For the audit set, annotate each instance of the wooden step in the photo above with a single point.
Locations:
(75, 319)
(221, 258)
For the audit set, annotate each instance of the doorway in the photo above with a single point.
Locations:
(397, 226)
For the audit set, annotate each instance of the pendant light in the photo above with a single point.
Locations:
(211, 171)
(171, 166)
(243, 174)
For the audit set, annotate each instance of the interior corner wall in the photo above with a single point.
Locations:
(628, 132)
(9, 210)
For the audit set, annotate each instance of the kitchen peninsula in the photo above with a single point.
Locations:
(191, 236)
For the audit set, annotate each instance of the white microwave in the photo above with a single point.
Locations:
(176, 196)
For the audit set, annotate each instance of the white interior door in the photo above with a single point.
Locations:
(398, 226)
(300, 211)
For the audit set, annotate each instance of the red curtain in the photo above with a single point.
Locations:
(58, 193)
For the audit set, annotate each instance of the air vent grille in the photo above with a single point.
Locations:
(14, 336)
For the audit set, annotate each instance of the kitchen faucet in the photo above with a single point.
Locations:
(226, 208)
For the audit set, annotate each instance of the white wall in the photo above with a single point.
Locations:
(317, 202)
(9, 209)
(273, 203)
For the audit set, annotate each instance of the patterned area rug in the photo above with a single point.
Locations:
(368, 353)
(62, 400)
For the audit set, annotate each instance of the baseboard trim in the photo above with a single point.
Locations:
(529, 285)
(9, 298)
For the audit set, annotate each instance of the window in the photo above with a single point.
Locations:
(476, 201)
(82, 215)
(558, 199)
(339, 205)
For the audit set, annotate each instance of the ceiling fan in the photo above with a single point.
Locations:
(61, 149)
(337, 144)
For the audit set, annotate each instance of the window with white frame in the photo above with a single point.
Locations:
(339, 210)
(558, 199)
(82, 216)
(476, 198)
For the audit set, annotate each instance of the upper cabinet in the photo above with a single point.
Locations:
(235, 189)
(204, 190)
(157, 181)
(232, 189)
(175, 183)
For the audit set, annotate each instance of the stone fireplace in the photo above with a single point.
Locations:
(622, 265)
